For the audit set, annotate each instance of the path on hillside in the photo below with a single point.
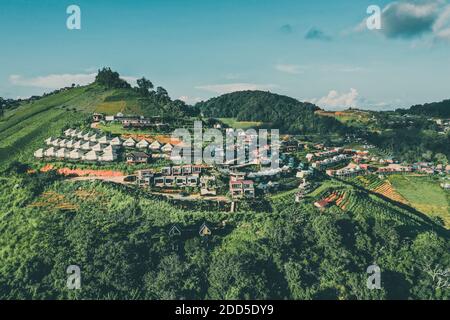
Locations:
(115, 179)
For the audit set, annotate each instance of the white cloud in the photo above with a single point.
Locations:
(57, 81)
(232, 87)
(334, 99)
(190, 100)
(289, 68)
(52, 81)
(441, 27)
(412, 19)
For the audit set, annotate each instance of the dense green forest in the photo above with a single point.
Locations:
(120, 239)
(284, 113)
(434, 109)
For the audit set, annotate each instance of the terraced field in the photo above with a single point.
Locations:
(383, 187)
(424, 194)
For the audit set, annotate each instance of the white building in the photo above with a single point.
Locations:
(98, 147)
(93, 138)
(50, 152)
(70, 144)
(62, 153)
(55, 142)
(86, 146)
(116, 141)
(130, 143)
(167, 148)
(143, 144)
(91, 156)
(74, 133)
(77, 145)
(76, 154)
(39, 153)
(108, 156)
(48, 141)
(62, 143)
(104, 140)
(155, 145)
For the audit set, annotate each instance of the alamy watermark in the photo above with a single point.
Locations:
(74, 278)
(73, 22)
(374, 21)
(374, 280)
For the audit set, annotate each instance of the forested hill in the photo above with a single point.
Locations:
(282, 112)
(434, 109)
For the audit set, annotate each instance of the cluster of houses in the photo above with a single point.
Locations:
(78, 145)
(351, 170)
(178, 177)
(241, 187)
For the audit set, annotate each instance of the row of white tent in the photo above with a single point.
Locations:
(107, 155)
(93, 137)
(80, 144)
(76, 144)
(144, 144)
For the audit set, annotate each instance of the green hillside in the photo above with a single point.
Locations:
(277, 111)
(119, 237)
(23, 129)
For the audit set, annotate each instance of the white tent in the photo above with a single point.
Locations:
(108, 156)
(87, 136)
(70, 144)
(116, 141)
(91, 156)
(77, 144)
(155, 145)
(48, 141)
(55, 143)
(62, 143)
(50, 152)
(76, 154)
(103, 140)
(86, 146)
(62, 153)
(167, 148)
(97, 147)
(109, 148)
(143, 144)
(93, 138)
(39, 153)
(68, 132)
(74, 133)
(129, 143)
(80, 135)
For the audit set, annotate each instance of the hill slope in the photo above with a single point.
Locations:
(282, 112)
(24, 128)
(434, 109)
(120, 240)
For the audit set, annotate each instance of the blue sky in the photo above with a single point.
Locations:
(317, 51)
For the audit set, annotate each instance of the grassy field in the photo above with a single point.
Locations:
(424, 194)
(233, 123)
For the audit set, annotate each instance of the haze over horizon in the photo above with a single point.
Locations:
(319, 52)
